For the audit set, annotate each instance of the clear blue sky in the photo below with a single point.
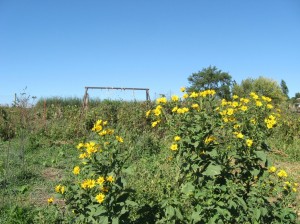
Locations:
(57, 47)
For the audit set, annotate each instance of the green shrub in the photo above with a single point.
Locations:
(220, 149)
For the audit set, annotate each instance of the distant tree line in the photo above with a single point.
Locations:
(214, 78)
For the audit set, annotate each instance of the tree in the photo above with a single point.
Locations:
(211, 78)
(264, 86)
(284, 88)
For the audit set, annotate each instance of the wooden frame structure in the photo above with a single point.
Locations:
(86, 95)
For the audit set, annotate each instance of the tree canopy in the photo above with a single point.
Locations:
(284, 88)
(211, 78)
(262, 85)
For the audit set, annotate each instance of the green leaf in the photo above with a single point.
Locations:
(99, 210)
(115, 221)
(255, 172)
(242, 203)
(263, 211)
(213, 153)
(188, 188)
(196, 217)
(132, 203)
(170, 212)
(103, 220)
(212, 170)
(129, 170)
(232, 204)
(178, 214)
(261, 155)
(257, 214)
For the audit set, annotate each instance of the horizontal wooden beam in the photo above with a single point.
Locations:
(120, 88)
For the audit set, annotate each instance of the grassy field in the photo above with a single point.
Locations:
(38, 150)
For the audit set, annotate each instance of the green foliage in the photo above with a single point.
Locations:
(220, 149)
(211, 78)
(99, 193)
(6, 125)
(284, 88)
(151, 175)
(261, 85)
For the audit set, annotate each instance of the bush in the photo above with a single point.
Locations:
(220, 170)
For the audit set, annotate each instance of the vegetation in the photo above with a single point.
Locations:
(211, 78)
(189, 159)
(261, 85)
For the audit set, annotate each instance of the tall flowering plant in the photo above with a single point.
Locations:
(219, 147)
(98, 193)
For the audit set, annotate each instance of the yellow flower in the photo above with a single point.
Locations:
(102, 133)
(282, 173)
(174, 98)
(177, 138)
(88, 183)
(157, 110)
(194, 95)
(104, 123)
(223, 112)
(244, 108)
(239, 135)
(270, 121)
(249, 142)
(80, 146)
(287, 183)
(91, 147)
(185, 95)
(235, 97)
(174, 147)
(267, 99)
(272, 169)
(97, 126)
(236, 126)
(148, 113)
(100, 180)
(110, 179)
(62, 189)
(209, 139)
(244, 100)
(269, 106)
(182, 110)
(210, 92)
(57, 188)
(76, 170)
(154, 123)
(224, 102)
(253, 95)
(83, 155)
(258, 103)
(230, 111)
(195, 106)
(100, 198)
(294, 189)
(161, 100)
(225, 119)
(235, 104)
(174, 109)
(119, 139)
(182, 89)
(50, 200)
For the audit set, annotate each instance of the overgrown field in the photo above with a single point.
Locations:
(150, 162)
